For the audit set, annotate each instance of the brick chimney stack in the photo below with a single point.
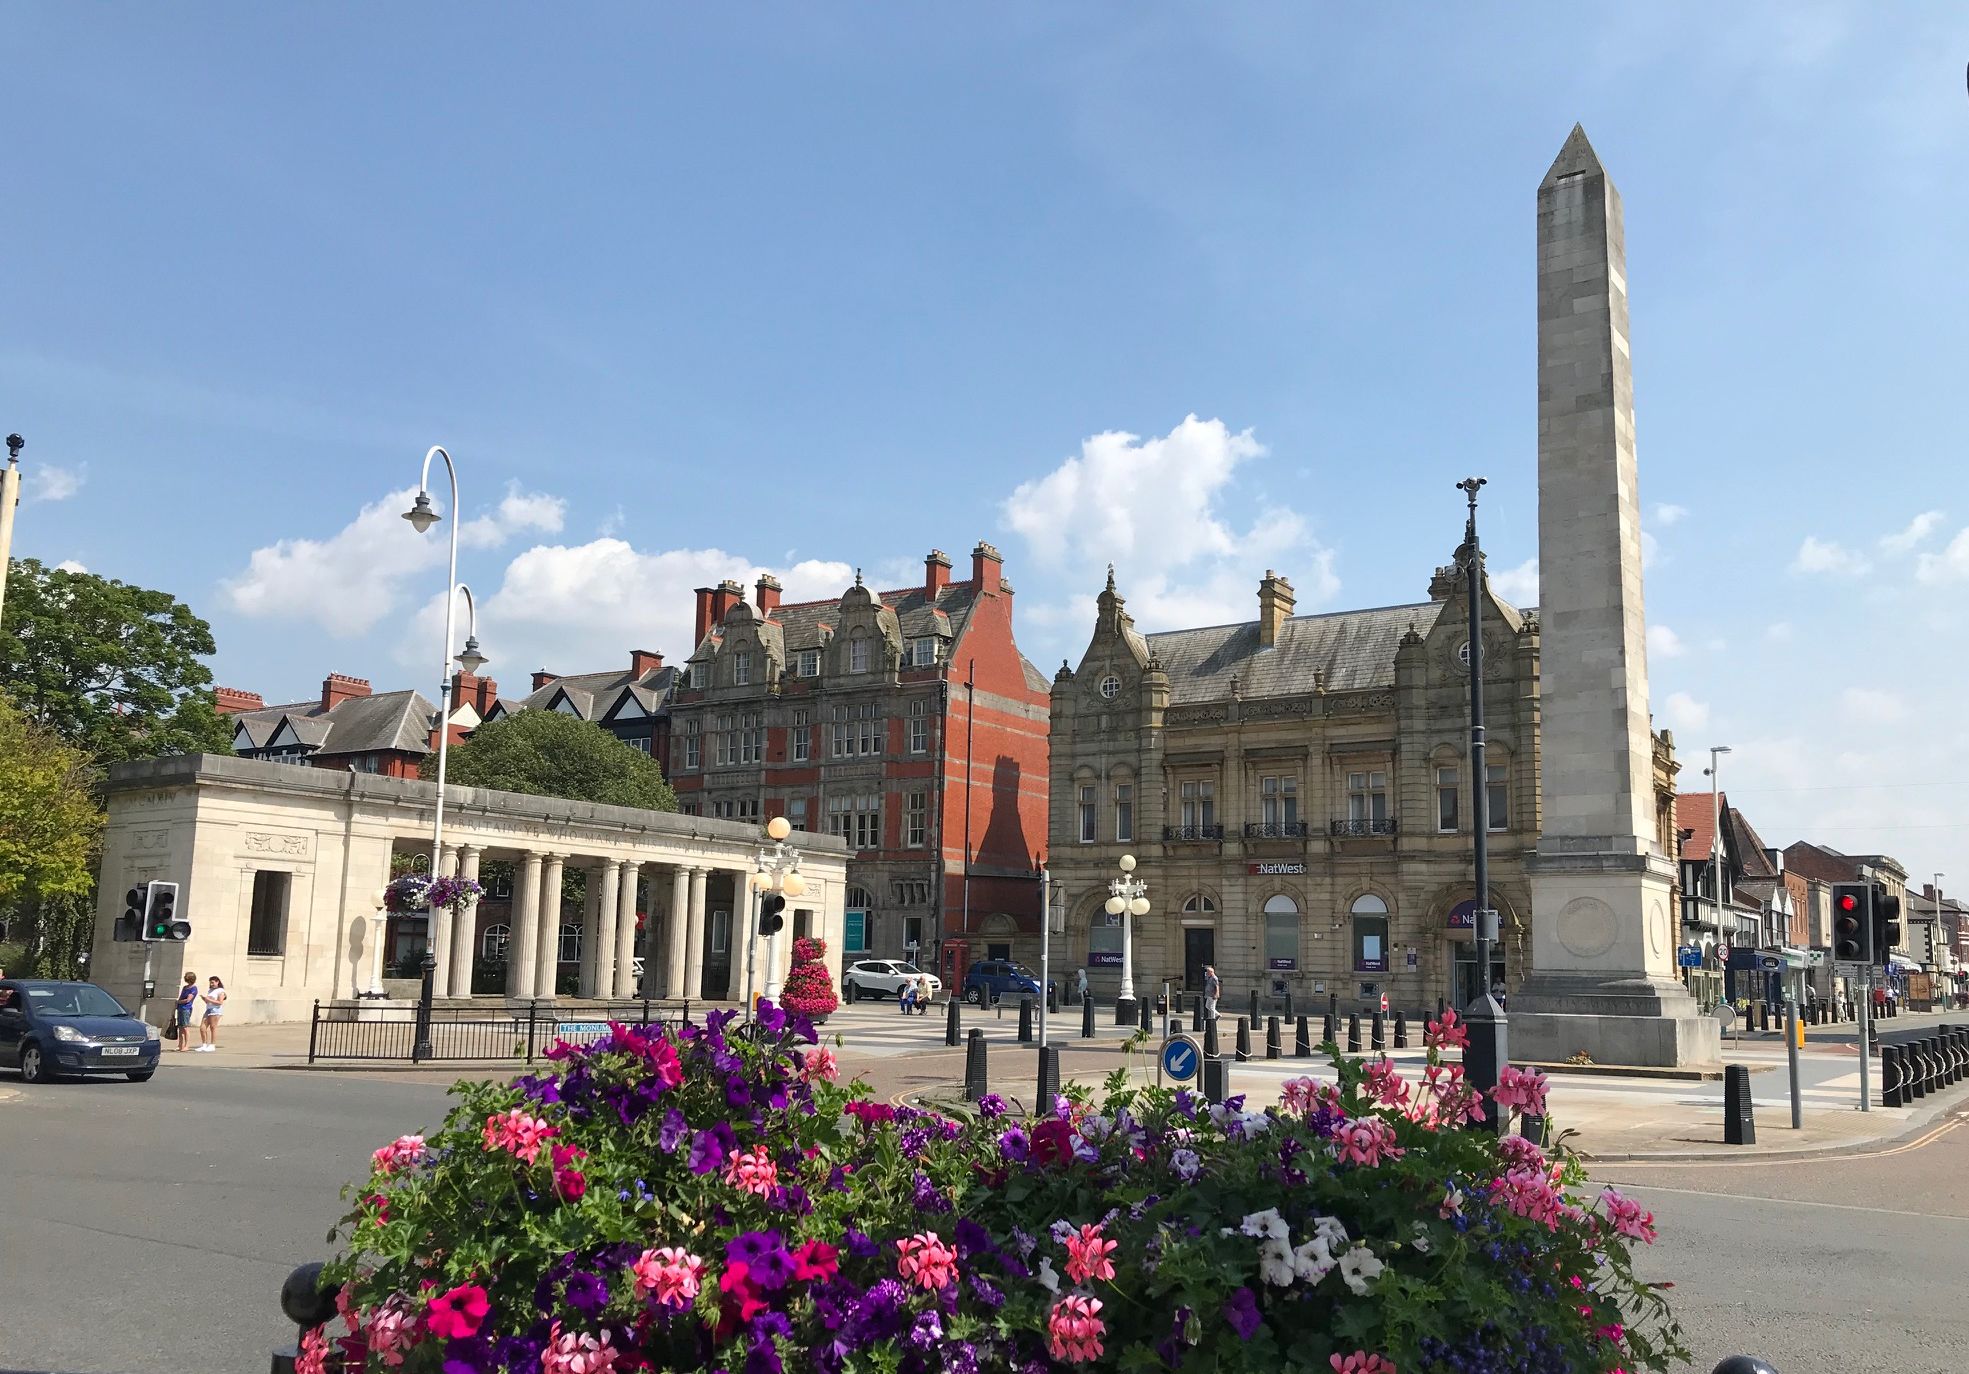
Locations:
(541, 677)
(701, 620)
(987, 566)
(230, 701)
(476, 692)
(336, 689)
(1275, 602)
(936, 573)
(726, 595)
(768, 589)
(643, 662)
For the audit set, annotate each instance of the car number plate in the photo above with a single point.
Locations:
(119, 1049)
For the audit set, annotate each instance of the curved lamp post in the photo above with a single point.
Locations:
(778, 872)
(1127, 898)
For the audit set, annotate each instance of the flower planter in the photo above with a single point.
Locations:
(717, 1201)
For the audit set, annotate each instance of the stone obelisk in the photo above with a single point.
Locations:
(1603, 945)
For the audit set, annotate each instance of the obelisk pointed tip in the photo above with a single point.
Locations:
(1575, 158)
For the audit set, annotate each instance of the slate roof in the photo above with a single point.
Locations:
(1354, 650)
(1816, 861)
(1693, 813)
(810, 624)
(357, 725)
(595, 695)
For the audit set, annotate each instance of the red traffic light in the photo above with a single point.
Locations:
(1848, 902)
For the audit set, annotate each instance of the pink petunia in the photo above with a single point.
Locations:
(459, 1313)
(926, 1261)
(1522, 1089)
(819, 1063)
(1360, 1362)
(569, 1352)
(670, 1275)
(752, 1171)
(1087, 1255)
(816, 1262)
(1074, 1329)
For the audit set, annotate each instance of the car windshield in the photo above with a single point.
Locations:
(910, 969)
(74, 999)
(1020, 969)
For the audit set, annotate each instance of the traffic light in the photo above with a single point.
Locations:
(770, 919)
(1849, 923)
(1886, 922)
(130, 925)
(161, 920)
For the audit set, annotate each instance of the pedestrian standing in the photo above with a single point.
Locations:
(1079, 985)
(187, 999)
(215, 1003)
(1211, 989)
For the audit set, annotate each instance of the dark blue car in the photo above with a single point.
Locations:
(989, 980)
(51, 1029)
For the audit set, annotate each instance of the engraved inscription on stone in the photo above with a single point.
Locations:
(1587, 927)
(151, 839)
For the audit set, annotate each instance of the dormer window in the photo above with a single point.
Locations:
(742, 668)
(858, 655)
(809, 663)
(923, 652)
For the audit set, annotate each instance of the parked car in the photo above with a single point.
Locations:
(50, 1029)
(884, 978)
(989, 979)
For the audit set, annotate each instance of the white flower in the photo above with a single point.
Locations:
(1047, 1276)
(1060, 1230)
(1359, 1269)
(1312, 1261)
(1275, 1263)
(1184, 1164)
(1096, 1128)
(1421, 1241)
(1268, 1225)
(1330, 1231)
(1256, 1123)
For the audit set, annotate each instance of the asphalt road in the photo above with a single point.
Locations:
(148, 1226)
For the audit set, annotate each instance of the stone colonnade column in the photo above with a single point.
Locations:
(547, 941)
(465, 927)
(625, 932)
(437, 923)
(673, 955)
(584, 985)
(694, 937)
(523, 949)
(602, 933)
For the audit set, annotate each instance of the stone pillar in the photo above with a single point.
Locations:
(523, 920)
(678, 919)
(437, 925)
(547, 941)
(694, 938)
(584, 985)
(625, 933)
(465, 927)
(602, 933)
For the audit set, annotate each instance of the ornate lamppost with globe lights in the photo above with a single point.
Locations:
(777, 875)
(1127, 898)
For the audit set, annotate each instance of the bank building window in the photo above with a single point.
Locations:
(1497, 795)
(1124, 811)
(1199, 804)
(1087, 814)
(1278, 800)
(1370, 917)
(1367, 797)
(1446, 799)
(1281, 934)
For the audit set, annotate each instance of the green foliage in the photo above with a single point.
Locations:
(115, 670)
(548, 754)
(49, 819)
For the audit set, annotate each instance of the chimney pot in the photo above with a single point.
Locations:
(987, 567)
(541, 677)
(230, 701)
(768, 589)
(337, 688)
(642, 661)
(936, 573)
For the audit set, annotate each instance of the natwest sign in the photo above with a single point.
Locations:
(1282, 869)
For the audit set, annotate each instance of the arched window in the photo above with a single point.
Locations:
(1370, 915)
(570, 943)
(495, 942)
(1281, 934)
(1103, 939)
(859, 899)
(1199, 905)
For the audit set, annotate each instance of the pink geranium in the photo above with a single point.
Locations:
(313, 1355)
(1384, 1084)
(1074, 1329)
(570, 1352)
(392, 1331)
(401, 1153)
(819, 1063)
(459, 1313)
(1087, 1255)
(1530, 1194)
(670, 1275)
(1366, 1141)
(1360, 1362)
(1628, 1217)
(1297, 1095)
(752, 1171)
(1448, 1033)
(517, 1133)
(1522, 1089)
(1520, 1153)
(926, 1261)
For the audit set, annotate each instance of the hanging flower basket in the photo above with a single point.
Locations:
(715, 1200)
(418, 892)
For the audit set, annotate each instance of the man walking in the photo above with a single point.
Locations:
(1211, 990)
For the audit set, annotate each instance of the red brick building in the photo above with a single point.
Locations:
(906, 721)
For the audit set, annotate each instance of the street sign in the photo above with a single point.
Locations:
(563, 1029)
(1723, 952)
(1770, 963)
(1688, 956)
(1181, 1058)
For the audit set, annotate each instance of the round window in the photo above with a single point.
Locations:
(1110, 686)
(1463, 653)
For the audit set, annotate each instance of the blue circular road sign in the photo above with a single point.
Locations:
(1181, 1058)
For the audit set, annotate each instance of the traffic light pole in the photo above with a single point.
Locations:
(1866, 1011)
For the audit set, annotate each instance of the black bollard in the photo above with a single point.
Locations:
(976, 1081)
(1243, 1040)
(1353, 1032)
(1739, 1125)
(1196, 1013)
(950, 1026)
(1148, 1017)
(1288, 1004)
(307, 1304)
(1763, 1016)
(1378, 1033)
(1025, 1020)
(1743, 1364)
(1532, 1128)
(1212, 1049)
(1328, 1035)
(1216, 1076)
(1302, 1043)
(1049, 1080)
(1440, 1004)
(1254, 1006)
(1891, 1092)
(1401, 1030)
(1087, 1019)
(1274, 1047)
(1052, 997)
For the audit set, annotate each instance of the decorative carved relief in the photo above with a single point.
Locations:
(1359, 703)
(293, 846)
(1587, 927)
(150, 839)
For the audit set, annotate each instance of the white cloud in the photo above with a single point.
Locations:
(1664, 643)
(1918, 529)
(1667, 514)
(1683, 712)
(1518, 585)
(1817, 555)
(50, 482)
(349, 582)
(1778, 633)
(1950, 565)
(1872, 705)
(1650, 547)
(69, 565)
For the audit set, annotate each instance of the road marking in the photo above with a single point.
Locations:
(1784, 1201)
(1766, 1161)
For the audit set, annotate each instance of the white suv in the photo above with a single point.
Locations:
(884, 978)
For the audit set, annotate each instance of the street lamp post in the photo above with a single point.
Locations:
(10, 496)
(1127, 898)
(778, 872)
(1489, 1048)
(1716, 752)
(421, 518)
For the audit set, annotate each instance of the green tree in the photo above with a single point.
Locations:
(113, 669)
(50, 826)
(549, 754)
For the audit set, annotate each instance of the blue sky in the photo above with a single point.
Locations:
(691, 293)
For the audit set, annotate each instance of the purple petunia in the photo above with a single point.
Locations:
(859, 1245)
(586, 1292)
(771, 1018)
(519, 1354)
(926, 1197)
(1015, 1145)
(991, 1106)
(709, 1148)
(1241, 1311)
(673, 1132)
(468, 1355)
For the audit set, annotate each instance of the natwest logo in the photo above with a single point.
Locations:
(1276, 868)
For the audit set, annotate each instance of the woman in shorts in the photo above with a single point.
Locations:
(215, 1002)
(187, 999)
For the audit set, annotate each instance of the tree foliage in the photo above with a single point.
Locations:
(49, 819)
(114, 669)
(549, 754)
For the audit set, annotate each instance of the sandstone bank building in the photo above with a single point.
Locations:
(1297, 791)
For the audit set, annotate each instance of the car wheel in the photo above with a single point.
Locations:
(975, 997)
(143, 1077)
(34, 1066)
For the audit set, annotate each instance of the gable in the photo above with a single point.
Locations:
(284, 737)
(628, 708)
